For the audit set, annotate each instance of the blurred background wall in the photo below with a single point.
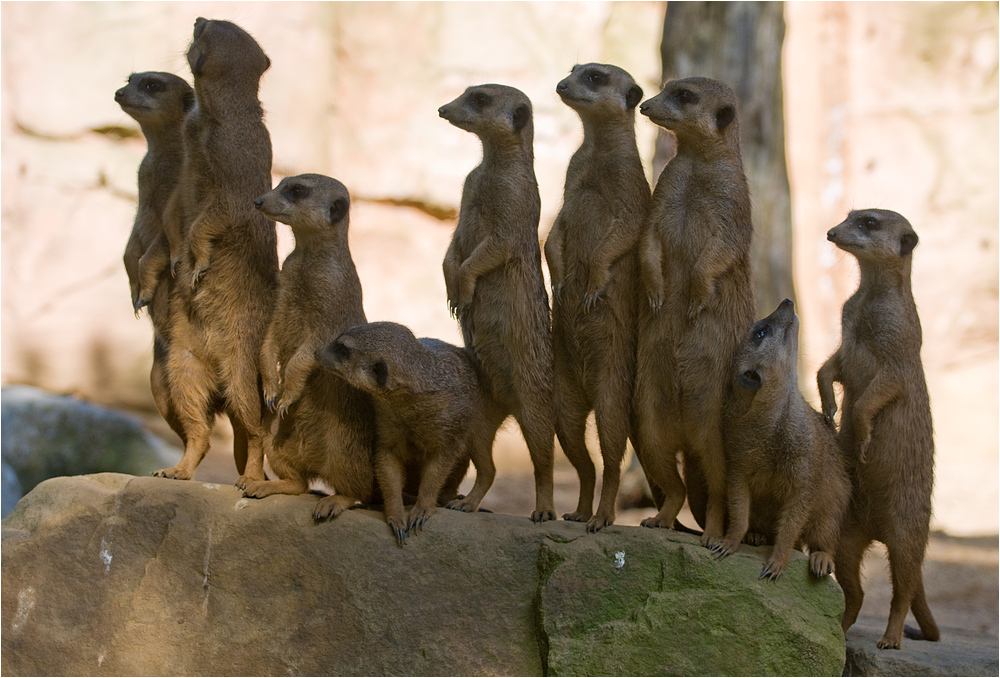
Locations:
(890, 105)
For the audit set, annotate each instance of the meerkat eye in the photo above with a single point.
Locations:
(153, 86)
(759, 334)
(685, 96)
(296, 192)
(870, 224)
(595, 78)
(480, 100)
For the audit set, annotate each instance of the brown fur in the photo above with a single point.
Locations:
(886, 427)
(785, 475)
(158, 102)
(429, 410)
(592, 256)
(325, 427)
(493, 273)
(217, 330)
(696, 272)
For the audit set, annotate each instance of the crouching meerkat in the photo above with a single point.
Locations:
(325, 427)
(885, 426)
(786, 476)
(428, 410)
(493, 273)
(591, 252)
(696, 276)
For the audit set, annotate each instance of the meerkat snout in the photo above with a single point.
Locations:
(259, 202)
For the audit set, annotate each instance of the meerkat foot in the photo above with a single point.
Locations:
(331, 506)
(724, 547)
(755, 539)
(599, 522)
(398, 529)
(254, 489)
(709, 539)
(887, 643)
(175, 472)
(772, 570)
(417, 517)
(462, 504)
(543, 515)
(655, 521)
(577, 516)
(821, 563)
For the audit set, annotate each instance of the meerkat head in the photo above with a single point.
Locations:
(155, 99)
(599, 91)
(694, 109)
(223, 49)
(309, 203)
(491, 112)
(767, 353)
(363, 356)
(873, 234)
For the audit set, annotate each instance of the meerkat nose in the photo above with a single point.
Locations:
(258, 203)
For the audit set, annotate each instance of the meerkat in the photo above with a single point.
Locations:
(325, 428)
(785, 473)
(216, 330)
(695, 271)
(591, 252)
(885, 425)
(158, 102)
(493, 273)
(428, 408)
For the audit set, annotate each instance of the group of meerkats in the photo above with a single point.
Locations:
(651, 327)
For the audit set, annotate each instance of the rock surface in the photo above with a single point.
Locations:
(47, 435)
(958, 653)
(111, 574)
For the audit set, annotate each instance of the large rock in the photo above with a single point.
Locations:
(110, 574)
(958, 653)
(47, 435)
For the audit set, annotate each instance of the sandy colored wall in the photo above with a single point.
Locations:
(891, 105)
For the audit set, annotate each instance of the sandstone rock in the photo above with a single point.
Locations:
(110, 574)
(958, 653)
(47, 435)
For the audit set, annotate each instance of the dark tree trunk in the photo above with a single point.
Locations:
(739, 43)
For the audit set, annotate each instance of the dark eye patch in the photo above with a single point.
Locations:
(759, 333)
(480, 100)
(340, 352)
(594, 78)
(153, 86)
(296, 192)
(686, 96)
(870, 223)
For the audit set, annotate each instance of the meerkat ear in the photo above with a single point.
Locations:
(188, 101)
(907, 242)
(724, 116)
(633, 97)
(522, 114)
(199, 26)
(199, 64)
(338, 210)
(381, 373)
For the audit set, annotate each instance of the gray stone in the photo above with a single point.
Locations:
(958, 653)
(46, 435)
(110, 574)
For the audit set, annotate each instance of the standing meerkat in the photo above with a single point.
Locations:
(591, 251)
(885, 428)
(786, 477)
(158, 102)
(325, 427)
(696, 274)
(493, 272)
(428, 409)
(217, 329)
